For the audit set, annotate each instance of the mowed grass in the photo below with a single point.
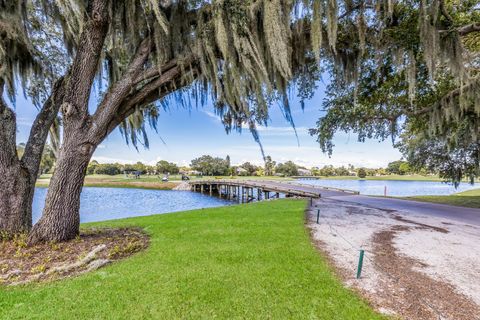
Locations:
(251, 261)
(396, 177)
(145, 181)
(120, 181)
(469, 199)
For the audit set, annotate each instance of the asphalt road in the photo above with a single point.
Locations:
(466, 215)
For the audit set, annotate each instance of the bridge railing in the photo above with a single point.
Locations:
(327, 188)
(277, 187)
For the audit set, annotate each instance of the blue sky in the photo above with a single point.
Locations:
(191, 133)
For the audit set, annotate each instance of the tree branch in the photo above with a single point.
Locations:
(444, 12)
(474, 27)
(165, 84)
(85, 64)
(119, 90)
(40, 129)
(155, 71)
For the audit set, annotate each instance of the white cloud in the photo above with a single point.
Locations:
(266, 130)
(281, 131)
(312, 156)
(211, 115)
(23, 121)
(102, 159)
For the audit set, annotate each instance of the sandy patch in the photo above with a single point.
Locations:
(417, 267)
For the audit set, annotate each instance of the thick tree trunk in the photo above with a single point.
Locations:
(19, 175)
(61, 219)
(16, 189)
(16, 196)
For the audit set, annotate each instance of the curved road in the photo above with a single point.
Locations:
(466, 215)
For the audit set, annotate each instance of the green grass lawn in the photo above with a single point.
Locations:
(242, 178)
(120, 181)
(408, 177)
(469, 199)
(153, 182)
(145, 181)
(251, 261)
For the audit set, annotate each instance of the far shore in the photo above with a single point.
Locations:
(155, 182)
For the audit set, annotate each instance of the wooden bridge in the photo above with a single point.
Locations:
(250, 190)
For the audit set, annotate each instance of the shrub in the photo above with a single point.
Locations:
(361, 173)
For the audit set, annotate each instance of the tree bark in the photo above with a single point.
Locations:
(61, 216)
(19, 175)
(83, 132)
(16, 188)
(16, 196)
(61, 219)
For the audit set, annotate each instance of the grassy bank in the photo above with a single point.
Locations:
(396, 177)
(145, 181)
(246, 262)
(154, 182)
(120, 181)
(469, 199)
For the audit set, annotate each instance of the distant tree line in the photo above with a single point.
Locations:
(215, 166)
(162, 167)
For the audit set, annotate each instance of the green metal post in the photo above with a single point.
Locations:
(360, 264)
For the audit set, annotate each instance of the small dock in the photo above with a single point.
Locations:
(257, 190)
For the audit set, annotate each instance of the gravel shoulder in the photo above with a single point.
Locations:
(416, 266)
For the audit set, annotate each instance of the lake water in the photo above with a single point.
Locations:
(98, 204)
(394, 188)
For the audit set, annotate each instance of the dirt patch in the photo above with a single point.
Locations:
(341, 272)
(415, 267)
(94, 248)
(427, 226)
(414, 295)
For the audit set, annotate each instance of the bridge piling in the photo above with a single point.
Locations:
(244, 190)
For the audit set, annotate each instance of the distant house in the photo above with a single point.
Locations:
(304, 172)
(194, 173)
(241, 171)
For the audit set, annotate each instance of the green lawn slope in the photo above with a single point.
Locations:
(251, 261)
(469, 199)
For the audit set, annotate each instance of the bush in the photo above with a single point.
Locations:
(288, 169)
(107, 168)
(167, 167)
(362, 173)
(210, 166)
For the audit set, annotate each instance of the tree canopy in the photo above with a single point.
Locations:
(210, 166)
(417, 81)
(288, 169)
(398, 67)
(164, 166)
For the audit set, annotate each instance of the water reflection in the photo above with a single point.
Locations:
(394, 188)
(98, 204)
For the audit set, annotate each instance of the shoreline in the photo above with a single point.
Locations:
(470, 198)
